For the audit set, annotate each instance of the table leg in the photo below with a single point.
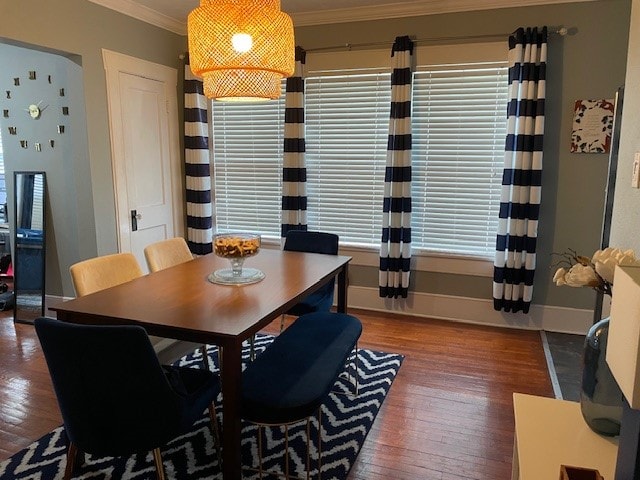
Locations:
(343, 279)
(231, 420)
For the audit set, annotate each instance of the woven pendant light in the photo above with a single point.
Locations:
(241, 48)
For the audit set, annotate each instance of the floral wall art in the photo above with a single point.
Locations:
(592, 126)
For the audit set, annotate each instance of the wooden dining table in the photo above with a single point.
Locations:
(181, 303)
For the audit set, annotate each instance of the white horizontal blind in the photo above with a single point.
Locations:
(37, 215)
(247, 165)
(459, 130)
(3, 187)
(347, 123)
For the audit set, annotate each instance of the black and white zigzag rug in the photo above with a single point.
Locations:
(346, 420)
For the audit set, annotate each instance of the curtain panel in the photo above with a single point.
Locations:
(395, 247)
(197, 165)
(294, 170)
(515, 259)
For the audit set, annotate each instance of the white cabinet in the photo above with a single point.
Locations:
(550, 433)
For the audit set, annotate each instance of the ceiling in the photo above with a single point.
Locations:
(172, 14)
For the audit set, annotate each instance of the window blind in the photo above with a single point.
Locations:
(247, 166)
(459, 131)
(347, 121)
(3, 187)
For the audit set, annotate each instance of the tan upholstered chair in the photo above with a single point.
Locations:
(98, 273)
(94, 274)
(168, 253)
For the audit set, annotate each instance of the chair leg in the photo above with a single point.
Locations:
(157, 457)
(260, 450)
(356, 371)
(71, 460)
(308, 448)
(319, 441)
(252, 348)
(205, 357)
(286, 452)
(216, 433)
(282, 323)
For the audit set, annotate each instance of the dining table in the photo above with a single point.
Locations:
(181, 302)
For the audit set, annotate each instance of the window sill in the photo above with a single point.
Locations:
(423, 262)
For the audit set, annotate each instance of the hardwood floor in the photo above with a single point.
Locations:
(448, 415)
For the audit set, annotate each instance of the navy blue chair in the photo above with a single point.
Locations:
(313, 242)
(293, 377)
(115, 397)
(322, 299)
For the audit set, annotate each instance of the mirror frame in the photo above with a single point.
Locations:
(17, 317)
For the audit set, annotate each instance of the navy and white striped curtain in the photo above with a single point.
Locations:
(197, 165)
(395, 248)
(515, 260)
(294, 170)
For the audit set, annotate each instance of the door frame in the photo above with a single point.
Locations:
(114, 64)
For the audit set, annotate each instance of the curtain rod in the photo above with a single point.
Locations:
(562, 31)
(348, 46)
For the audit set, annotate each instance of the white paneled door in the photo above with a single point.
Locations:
(142, 106)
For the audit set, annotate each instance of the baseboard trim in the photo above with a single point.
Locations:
(453, 308)
(474, 310)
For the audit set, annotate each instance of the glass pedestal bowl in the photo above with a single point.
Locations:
(236, 247)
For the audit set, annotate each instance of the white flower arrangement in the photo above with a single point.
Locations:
(595, 272)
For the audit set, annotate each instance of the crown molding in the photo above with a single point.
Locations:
(338, 15)
(410, 9)
(145, 14)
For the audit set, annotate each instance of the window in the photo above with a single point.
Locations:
(247, 166)
(459, 128)
(347, 123)
(459, 131)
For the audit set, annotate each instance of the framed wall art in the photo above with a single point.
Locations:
(592, 126)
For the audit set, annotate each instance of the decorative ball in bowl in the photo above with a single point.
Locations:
(236, 247)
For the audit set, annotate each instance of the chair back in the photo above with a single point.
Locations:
(167, 253)
(107, 271)
(311, 242)
(112, 391)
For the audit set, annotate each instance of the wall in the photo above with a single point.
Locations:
(82, 29)
(65, 164)
(588, 63)
(625, 231)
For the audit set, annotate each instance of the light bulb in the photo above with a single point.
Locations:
(242, 42)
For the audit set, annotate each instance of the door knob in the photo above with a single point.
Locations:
(135, 216)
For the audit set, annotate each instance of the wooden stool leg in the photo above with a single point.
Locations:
(216, 433)
(71, 460)
(157, 457)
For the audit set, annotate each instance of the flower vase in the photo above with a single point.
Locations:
(600, 396)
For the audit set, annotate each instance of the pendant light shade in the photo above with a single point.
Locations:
(241, 48)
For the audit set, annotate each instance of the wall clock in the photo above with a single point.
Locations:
(34, 107)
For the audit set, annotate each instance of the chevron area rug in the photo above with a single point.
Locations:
(346, 420)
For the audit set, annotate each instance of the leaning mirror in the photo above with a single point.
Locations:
(29, 245)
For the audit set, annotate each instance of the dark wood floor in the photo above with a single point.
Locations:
(448, 415)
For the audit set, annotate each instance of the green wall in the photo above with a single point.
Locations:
(81, 29)
(625, 229)
(586, 64)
